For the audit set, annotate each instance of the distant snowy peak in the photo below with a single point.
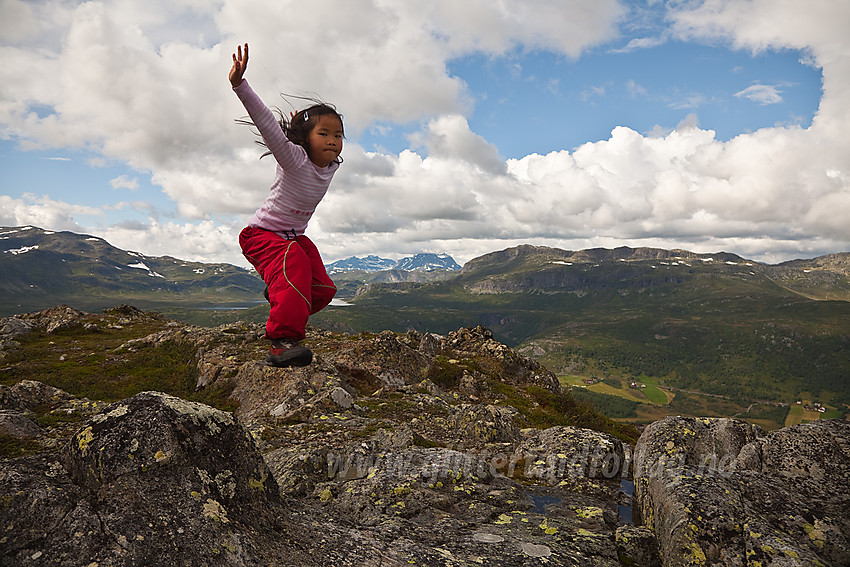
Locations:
(367, 264)
(427, 262)
(423, 262)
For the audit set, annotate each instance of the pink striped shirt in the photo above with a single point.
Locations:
(298, 185)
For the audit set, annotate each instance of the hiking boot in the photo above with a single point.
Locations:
(285, 353)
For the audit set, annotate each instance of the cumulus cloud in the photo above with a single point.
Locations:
(205, 241)
(42, 211)
(145, 84)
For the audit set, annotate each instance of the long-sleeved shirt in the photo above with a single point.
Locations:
(298, 185)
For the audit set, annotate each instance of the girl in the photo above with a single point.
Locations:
(306, 149)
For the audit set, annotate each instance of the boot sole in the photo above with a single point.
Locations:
(296, 356)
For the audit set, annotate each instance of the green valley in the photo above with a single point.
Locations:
(718, 331)
(701, 334)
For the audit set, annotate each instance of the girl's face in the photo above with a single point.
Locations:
(325, 140)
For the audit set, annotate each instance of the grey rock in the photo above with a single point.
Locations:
(636, 545)
(32, 393)
(11, 327)
(15, 424)
(483, 424)
(557, 453)
(715, 493)
(10, 400)
(151, 475)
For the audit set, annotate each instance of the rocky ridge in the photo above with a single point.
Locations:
(390, 449)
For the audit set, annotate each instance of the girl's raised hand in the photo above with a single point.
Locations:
(240, 64)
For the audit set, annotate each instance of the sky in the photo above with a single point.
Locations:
(471, 127)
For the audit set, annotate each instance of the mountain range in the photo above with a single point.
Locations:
(716, 323)
(418, 262)
(42, 268)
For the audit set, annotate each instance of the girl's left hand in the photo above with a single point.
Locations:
(240, 64)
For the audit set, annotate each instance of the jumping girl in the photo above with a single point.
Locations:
(306, 148)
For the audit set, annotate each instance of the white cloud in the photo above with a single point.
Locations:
(205, 241)
(41, 211)
(634, 89)
(761, 94)
(641, 43)
(125, 182)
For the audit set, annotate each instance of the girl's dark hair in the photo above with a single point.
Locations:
(298, 127)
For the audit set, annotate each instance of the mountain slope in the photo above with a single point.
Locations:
(713, 322)
(42, 268)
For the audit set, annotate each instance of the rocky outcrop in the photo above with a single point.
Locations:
(722, 492)
(390, 449)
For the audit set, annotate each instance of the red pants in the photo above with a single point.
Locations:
(298, 283)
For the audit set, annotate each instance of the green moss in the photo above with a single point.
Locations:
(52, 419)
(445, 373)
(427, 443)
(13, 447)
(543, 409)
(88, 364)
(392, 405)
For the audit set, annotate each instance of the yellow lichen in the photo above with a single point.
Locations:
(260, 483)
(547, 529)
(694, 554)
(589, 512)
(84, 438)
(326, 495)
(815, 535)
(215, 511)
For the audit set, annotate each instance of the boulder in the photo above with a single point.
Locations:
(482, 424)
(563, 452)
(150, 477)
(718, 491)
(15, 424)
(32, 393)
(636, 546)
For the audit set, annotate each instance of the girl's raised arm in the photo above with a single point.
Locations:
(240, 65)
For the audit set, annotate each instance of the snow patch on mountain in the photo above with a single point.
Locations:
(143, 266)
(21, 250)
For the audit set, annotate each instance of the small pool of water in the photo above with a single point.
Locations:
(625, 511)
(540, 502)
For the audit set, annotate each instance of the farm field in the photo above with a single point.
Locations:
(653, 402)
(650, 394)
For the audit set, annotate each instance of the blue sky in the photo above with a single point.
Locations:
(470, 129)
